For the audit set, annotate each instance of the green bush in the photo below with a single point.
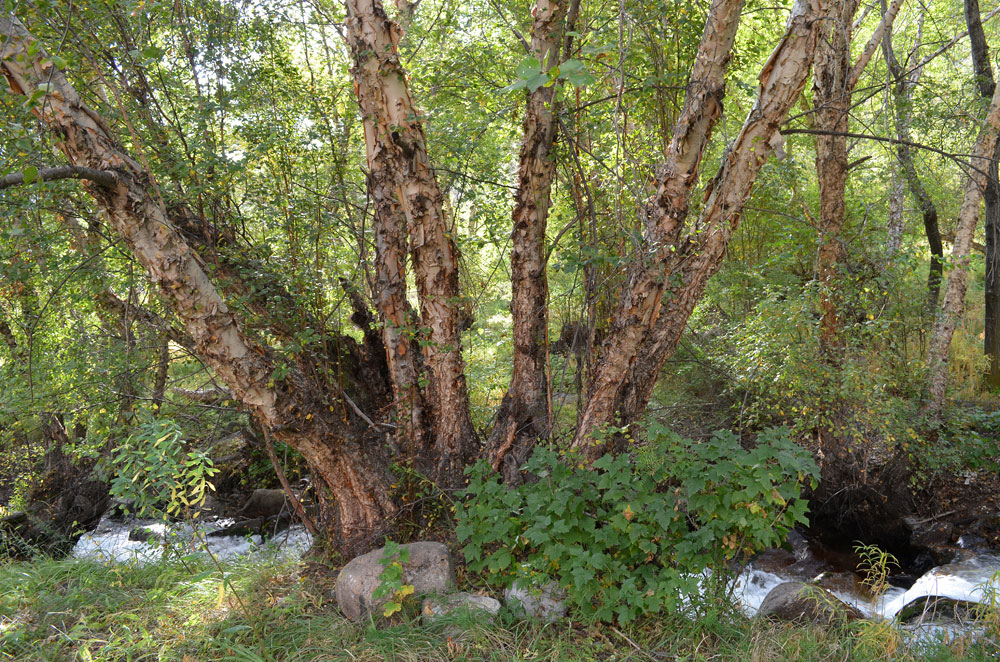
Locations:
(628, 535)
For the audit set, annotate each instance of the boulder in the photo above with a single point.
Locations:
(429, 570)
(798, 602)
(263, 503)
(547, 602)
(444, 605)
(937, 609)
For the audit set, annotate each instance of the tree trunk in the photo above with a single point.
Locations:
(954, 295)
(403, 186)
(649, 324)
(523, 417)
(902, 92)
(648, 276)
(295, 408)
(991, 197)
(831, 104)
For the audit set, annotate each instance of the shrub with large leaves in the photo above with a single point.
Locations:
(632, 534)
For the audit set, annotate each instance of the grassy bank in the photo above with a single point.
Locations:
(192, 610)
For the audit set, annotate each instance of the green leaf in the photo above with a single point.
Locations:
(30, 174)
(527, 68)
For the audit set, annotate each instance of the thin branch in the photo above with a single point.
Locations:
(892, 141)
(296, 504)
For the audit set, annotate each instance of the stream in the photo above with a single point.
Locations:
(937, 604)
(971, 578)
(110, 541)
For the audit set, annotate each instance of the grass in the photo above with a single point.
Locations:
(189, 611)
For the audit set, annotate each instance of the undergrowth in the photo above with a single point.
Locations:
(80, 610)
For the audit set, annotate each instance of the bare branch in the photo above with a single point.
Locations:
(105, 178)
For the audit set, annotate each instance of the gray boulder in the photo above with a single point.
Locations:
(546, 602)
(444, 605)
(429, 570)
(801, 603)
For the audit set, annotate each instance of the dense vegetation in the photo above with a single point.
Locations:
(693, 253)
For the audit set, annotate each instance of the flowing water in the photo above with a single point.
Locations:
(109, 542)
(967, 581)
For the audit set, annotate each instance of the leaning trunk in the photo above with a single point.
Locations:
(902, 94)
(954, 295)
(296, 408)
(648, 277)
(690, 262)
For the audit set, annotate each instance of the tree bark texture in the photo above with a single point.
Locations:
(523, 417)
(954, 294)
(642, 298)
(831, 104)
(650, 324)
(295, 408)
(406, 194)
(986, 85)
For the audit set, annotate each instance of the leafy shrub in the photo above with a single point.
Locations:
(391, 584)
(967, 440)
(153, 470)
(630, 536)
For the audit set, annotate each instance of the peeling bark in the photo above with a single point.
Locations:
(406, 195)
(652, 325)
(295, 408)
(831, 104)
(523, 417)
(647, 281)
(954, 295)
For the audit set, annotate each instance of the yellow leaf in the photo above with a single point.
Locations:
(405, 590)
(391, 608)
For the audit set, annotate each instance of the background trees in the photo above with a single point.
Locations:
(322, 217)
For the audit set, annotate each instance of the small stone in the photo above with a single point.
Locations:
(546, 602)
(429, 570)
(798, 602)
(444, 605)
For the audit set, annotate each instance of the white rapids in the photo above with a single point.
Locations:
(972, 580)
(109, 542)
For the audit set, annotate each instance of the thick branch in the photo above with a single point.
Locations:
(866, 55)
(105, 178)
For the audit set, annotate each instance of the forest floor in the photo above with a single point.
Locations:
(192, 610)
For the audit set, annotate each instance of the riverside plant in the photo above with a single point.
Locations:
(630, 536)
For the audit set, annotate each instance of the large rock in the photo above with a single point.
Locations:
(429, 570)
(546, 602)
(798, 602)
